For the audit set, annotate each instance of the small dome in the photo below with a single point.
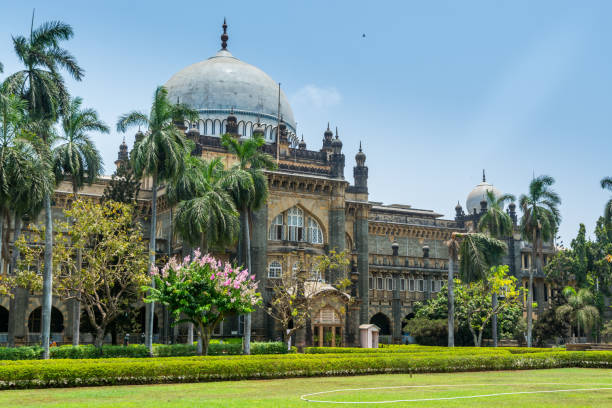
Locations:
(360, 157)
(302, 144)
(328, 134)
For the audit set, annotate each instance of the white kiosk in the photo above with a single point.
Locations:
(368, 334)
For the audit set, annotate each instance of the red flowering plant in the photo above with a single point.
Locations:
(202, 290)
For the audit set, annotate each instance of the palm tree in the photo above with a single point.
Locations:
(160, 155)
(248, 197)
(476, 253)
(41, 84)
(606, 183)
(539, 224)
(579, 309)
(497, 223)
(25, 177)
(206, 214)
(77, 156)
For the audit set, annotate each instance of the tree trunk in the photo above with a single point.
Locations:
(451, 302)
(12, 270)
(2, 240)
(150, 307)
(99, 340)
(578, 330)
(479, 338)
(530, 290)
(494, 319)
(76, 307)
(47, 278)
(204, 334)
(16, 236)
(190, 334)
(246, 246)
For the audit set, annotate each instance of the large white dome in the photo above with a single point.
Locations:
(478, 194)
(223, 83)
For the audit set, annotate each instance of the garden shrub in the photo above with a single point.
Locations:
(62, 373)
(137, 351)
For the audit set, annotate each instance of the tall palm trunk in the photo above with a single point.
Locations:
(76, 307)
(2, 239)
(12, 269)
(494, 319)
(451, 301)
(150, 307)
(47, 278)
(246, 247)
(530, 290)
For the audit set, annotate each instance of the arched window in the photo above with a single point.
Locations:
(315, 235)
(295, 221)
(275, 270)
(277, 230)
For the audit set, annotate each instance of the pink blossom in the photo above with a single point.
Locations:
(197, 253)
(212, 276)
(154, 271)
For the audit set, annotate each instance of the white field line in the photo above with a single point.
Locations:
(304, 397)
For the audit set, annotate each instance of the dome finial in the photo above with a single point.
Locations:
(336, 132)
(360, 145)
(484, 179)
(224, 36)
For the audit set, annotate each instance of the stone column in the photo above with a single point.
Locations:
(259, 264)
(360, 232)
(18, 317)
(337, 222)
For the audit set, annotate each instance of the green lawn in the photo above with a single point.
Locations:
(286, 393)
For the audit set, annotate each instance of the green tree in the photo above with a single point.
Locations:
(201, 290)
(114, 255)
(76, 155)
(476, 299)
(606, 184)
(539, 224)
(123, 187)
(41, 84)
(248, 197)
(206, 214)
(159, 155)
(579, 310)
(498, 224)
(476, 253)
(495, 221)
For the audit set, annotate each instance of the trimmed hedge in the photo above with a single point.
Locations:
(420, 349)
(69, 373)
(136, 351)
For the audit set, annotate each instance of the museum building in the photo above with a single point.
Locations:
(398, 253)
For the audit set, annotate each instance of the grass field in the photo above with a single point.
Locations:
(286, 393)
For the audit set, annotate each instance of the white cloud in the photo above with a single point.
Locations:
(316, 97)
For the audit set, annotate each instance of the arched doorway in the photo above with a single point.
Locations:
(35, 324)
(4, 319)
(383, 324)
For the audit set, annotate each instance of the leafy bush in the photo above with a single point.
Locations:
(428, 332)
(20, 353)
(62, 373)
(138, 351)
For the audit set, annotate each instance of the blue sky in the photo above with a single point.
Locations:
(436, 91)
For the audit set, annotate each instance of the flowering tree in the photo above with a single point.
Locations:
(202, 290)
